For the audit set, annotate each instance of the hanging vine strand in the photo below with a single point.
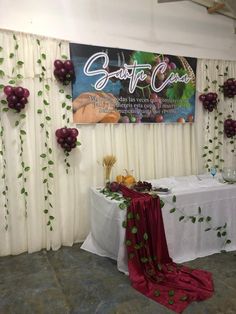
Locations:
(45, 125)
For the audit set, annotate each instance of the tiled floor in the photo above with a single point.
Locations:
(71, 280)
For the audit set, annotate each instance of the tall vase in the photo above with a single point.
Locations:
(107, 174)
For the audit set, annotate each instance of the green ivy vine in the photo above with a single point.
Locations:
(15, 80)
(24, 168)
(212, 153)
(230, 115)
(3, 155)
(18, 64)
(19, 122)
(124, 201)
(3, 175)
(213, 148)
(46, 154)
(221, 231)
(66, 112)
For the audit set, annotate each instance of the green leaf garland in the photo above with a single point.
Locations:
(4, 190)
(47, 163)
(221, 231)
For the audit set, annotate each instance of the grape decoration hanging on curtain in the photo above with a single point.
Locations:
(67, 138)
(209, 101)
(229, 88)
(17, 97)
(64, 71)
(230, 128)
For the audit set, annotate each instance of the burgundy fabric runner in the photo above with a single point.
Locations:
(151, 270)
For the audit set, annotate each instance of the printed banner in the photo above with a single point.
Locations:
(125, 86)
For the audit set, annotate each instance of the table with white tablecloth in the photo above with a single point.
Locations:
(196, 196)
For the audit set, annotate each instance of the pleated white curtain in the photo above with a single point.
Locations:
(150, 150)
(36, 194)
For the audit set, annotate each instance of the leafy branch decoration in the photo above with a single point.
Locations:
(215, 143)
(17, 98)
(3, 160)
(3, 175)
(24, 168)
(18, 64)
(65, 102)
(46, 154)
(124, 201)
(221, 231)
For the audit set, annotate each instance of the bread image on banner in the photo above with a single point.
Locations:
(95, 107)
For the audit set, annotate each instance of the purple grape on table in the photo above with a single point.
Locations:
(143, 186)
(113, 186)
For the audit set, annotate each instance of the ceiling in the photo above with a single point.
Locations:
(225, 7)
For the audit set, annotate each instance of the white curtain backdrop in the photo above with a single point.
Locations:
(150, 150)
(23, 223)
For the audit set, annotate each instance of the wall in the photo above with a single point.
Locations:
(182, 28)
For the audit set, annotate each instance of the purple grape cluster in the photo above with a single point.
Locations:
(209, 101)
(17, 97)
(67, 138)
(113, 186)
(229, 88)
(143, 186)
(230, 127)
(64, 71)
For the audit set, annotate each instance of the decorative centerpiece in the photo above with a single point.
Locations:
(229, 88)
(128, 180)
(113, 186)
(17, 97)
(209, 101)
(64, 71)
(230, 128)
(67, 138)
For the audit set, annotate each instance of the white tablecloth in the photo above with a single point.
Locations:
(186, 240)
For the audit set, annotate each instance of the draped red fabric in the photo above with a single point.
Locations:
(151, 270)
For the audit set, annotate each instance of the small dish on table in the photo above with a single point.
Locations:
(161, 190)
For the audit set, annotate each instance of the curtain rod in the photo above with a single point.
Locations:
(33, 34)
